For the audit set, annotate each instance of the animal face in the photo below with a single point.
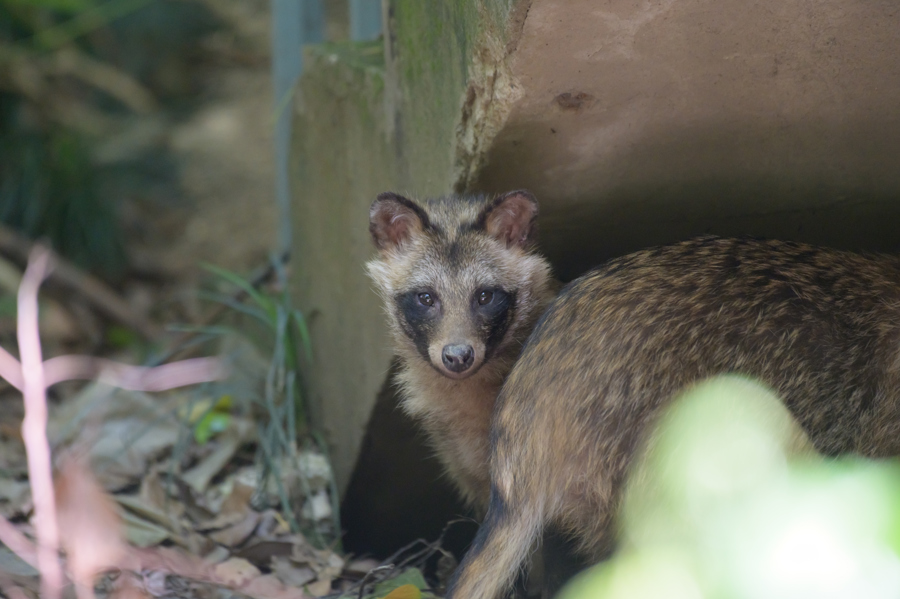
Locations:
(456, 275)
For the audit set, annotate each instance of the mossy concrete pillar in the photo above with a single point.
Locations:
(405, 115)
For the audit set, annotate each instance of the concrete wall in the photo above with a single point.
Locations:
(370, 118)
(342, 159)
(644, 122)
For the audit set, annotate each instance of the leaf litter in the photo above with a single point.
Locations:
(160, 515)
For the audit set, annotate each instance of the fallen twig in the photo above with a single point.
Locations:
(134, 378)
(32, 376)
(18, 543)
(370, 575)
(89, 287)
(394, 569)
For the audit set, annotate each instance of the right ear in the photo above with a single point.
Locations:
(393, 220)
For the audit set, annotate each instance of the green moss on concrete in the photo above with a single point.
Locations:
(342, 159)
(433, 46)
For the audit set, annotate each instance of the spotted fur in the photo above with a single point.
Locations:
(822, 327)
(459, 252)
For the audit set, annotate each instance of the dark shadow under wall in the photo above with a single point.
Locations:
(398, 492)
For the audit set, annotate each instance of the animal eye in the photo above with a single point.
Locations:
(426, 299)
(485, 297)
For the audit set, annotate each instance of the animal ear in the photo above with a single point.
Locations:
(510, 218)
(393, 220)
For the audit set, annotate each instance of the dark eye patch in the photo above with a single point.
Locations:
(419, 321)
(493, 316)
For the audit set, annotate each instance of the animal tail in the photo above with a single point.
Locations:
(499, 550)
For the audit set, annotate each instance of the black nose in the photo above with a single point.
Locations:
(458, 358)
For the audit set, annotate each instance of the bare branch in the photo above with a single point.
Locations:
(17, 542)
(34, 426)
(135, 378)
(10, 369)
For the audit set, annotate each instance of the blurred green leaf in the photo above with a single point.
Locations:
(730, 502)
(68, 6)
(303, 331)
(93, 17)
(412, 576)
(211, 424)
(237, 306)
(266, 303)
(48, 189)
(8, 306)
(120, 337)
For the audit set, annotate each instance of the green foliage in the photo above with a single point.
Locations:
(63, 6)
(284, 402)
(214, 420)
(411, 576)
(47, 184)
(270, 310)
(48, 189)
(729, 502)
(8, 306)
(120, 337)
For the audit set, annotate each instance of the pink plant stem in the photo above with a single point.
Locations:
(17, 542)
(10, 369)
(34, 427)
(32, 377)
(135, 378)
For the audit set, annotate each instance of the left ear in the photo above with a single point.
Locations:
(510, 218)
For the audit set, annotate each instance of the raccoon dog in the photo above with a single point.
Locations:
(822, 327)
(462, 288)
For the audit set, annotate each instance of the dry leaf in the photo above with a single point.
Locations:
(238, 501)
(131, 429)
(291, 574)
(233, 536)
(272, 524)
(320, 587)
(126, 587)
(153, 493)
(261, 552)
(360, 567)
(170, 560)
(147, 511)
(199, 476)
(233, 510)
(236, 572)
(90, 529)
(141, 532)
(327, 564)
(269, 587)
(217, 555)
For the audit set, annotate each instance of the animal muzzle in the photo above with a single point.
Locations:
(458, 357)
